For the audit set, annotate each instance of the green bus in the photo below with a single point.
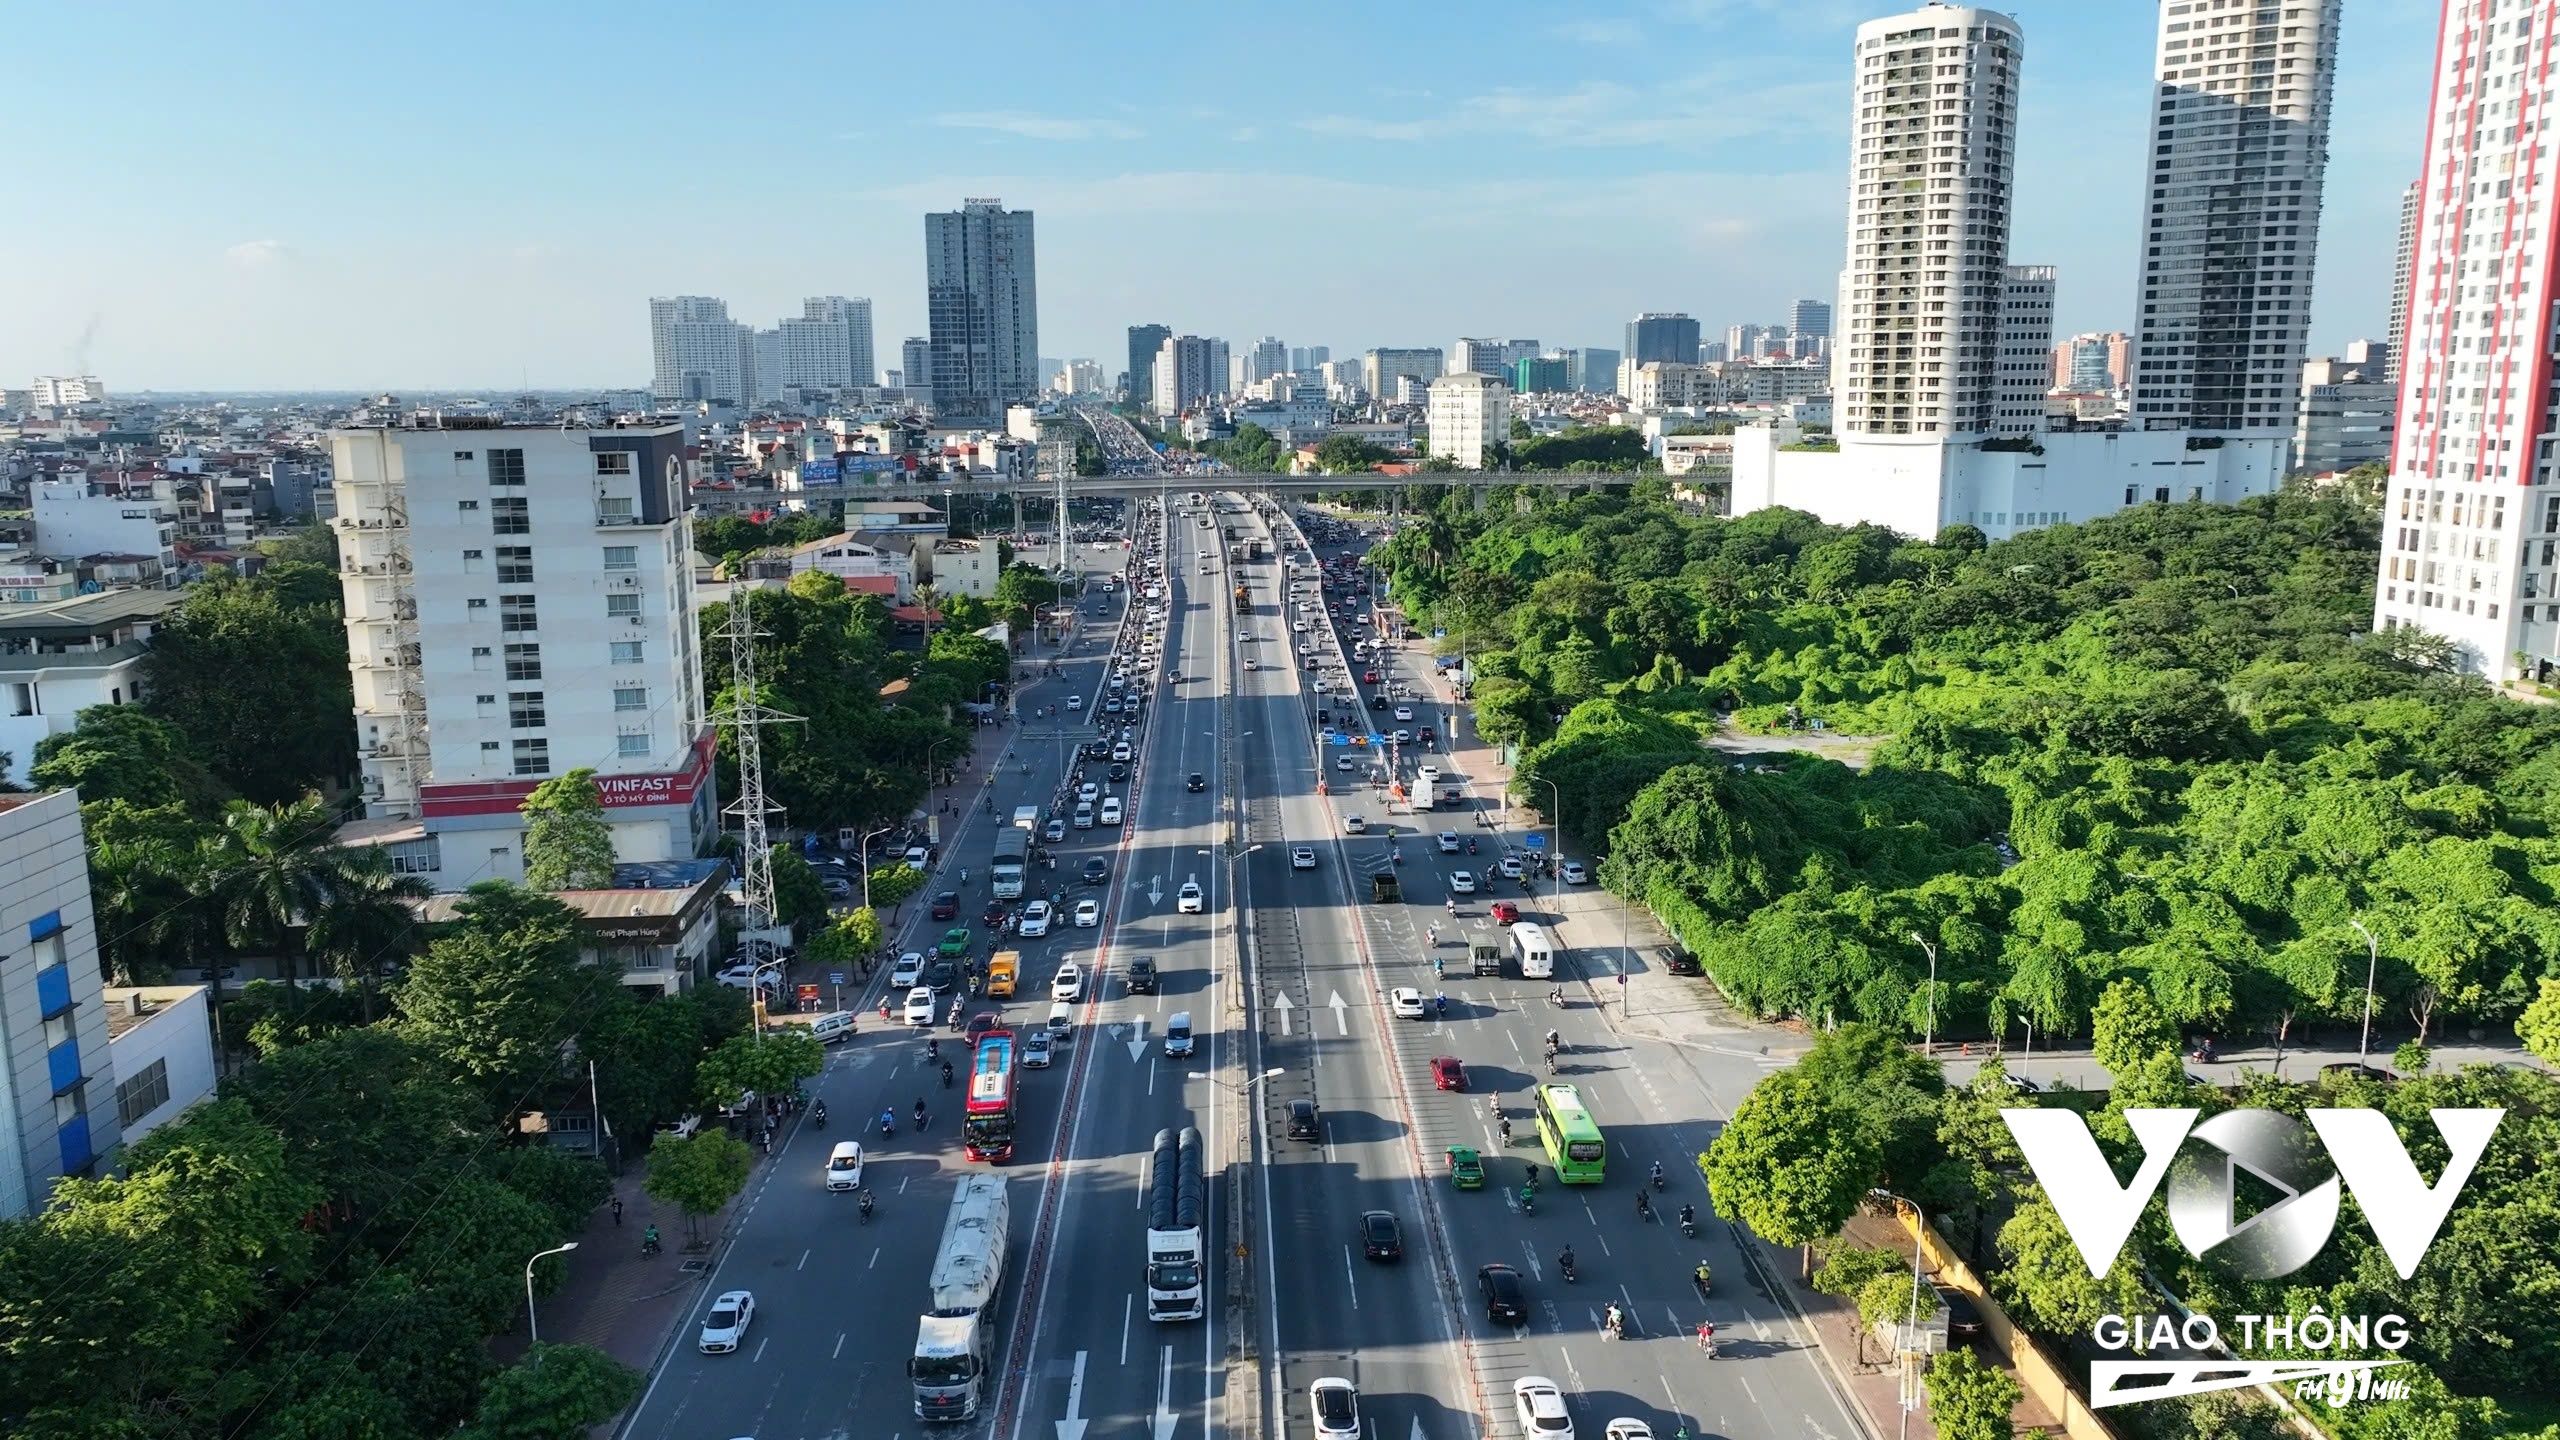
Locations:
(1573, 1143)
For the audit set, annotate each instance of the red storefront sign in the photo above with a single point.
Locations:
(505, 797)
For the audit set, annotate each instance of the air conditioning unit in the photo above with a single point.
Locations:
(637, 619)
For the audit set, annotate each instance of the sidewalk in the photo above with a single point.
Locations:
(613, 1297)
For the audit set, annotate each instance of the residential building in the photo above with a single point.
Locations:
(1344, 380)
(518, 605)
(57, 1080)
(1711, 352)
(827, 348)
(852, 560)
(2346, 411)
(1809, 327)
(658, 924)
(2240, 141)
(50, 391)
(1269, 357)
(1743, 342)
(2471, 523)
(964, 567)
(1144, 342)
(1381, 367)
(1470, 415)
(699, 352)
(1662, 385)
(2402, 256)
(982, 304)
(159, 1052)
(2025, 361)
(915, 361)
(1187, 369)
(1483, 357)
(2091, 363)
(1591, 370)
(1544, 375)
(63, 656)
(75, 518)
(1936, 95)
(1665, 335)
(1080, 377)
(1309, 359)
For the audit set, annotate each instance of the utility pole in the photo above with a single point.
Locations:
(745, 717)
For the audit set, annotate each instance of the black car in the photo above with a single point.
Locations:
(946, 906)
(1304, 1122)
(1381, 1235)
(1140, 976)
(1197, 783)
(942, 975)
(1096, 870)
(1119, 771)
(1680, 962)
(1377, 702)
(1964, 1322)
(1506, 1300)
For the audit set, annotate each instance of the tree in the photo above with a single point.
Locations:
(2047, 1285)
(699, 1173)
(1789, 1164)
(367, 915)
(891, 885)
(556, 1392)
(797, 892)
(567, 843)
(146, 878)
(848, 942)
(2128, 1027)
(768, 1064)
(2539, 1026)
(1969, 1400)
(273, 868)
(123, 752)
(254, 674)
(501, 995)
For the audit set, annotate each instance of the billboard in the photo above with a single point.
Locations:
(819, 472)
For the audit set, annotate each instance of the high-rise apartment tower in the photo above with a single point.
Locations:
(982, 306)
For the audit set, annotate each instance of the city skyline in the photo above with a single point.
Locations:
(479, 272)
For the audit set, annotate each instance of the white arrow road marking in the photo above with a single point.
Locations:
(1280, 1002)
(1138, 1038)
(1155, 891)
(1072, 1428)
(1341, 1019)
(1165, 1418)
(1417, 1428)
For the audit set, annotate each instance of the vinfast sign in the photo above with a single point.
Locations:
(2356, 1148)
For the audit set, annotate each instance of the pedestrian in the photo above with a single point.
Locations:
(617, 1209)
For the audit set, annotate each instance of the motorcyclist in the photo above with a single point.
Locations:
(1616, 1323)
(1564, 1261)
(818, 1112)
(888, 1122)
(946, 1074)
(1533, 1174)
(1701, 1277)
(1528, 1197)
(932, 1050)
(1707, 1336)
(1688, 1214)
(649, 1241)
(1506, 1130)
(919, 1112)
(866, 1202)
(1440, 1004)
(1453, 904)
(1644, 1204)
(1657, 1174)
(1555, 1041)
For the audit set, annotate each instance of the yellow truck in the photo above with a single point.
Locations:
(1002, 969)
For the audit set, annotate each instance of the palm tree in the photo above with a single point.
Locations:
(145, 890)
(273, 867)
(368, 912)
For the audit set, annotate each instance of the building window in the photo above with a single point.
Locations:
(630, 697)
(516, 614)
(533, 757)
(626, 652)
(506, 467)
(143, 1093)
(488, 747)
(524, 662)
(613, 462)
(625, 604)
(515, 564)
(476, 602)
(511, 515)
(525, 710)
(613, 510)
(622, 557)
(469, 505)
(470, 562)
(480, 657)
(630, 745)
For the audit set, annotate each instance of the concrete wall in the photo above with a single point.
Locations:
(179, 1035)
(2036, 1374)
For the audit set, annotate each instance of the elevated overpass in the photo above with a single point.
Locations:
(928, 487)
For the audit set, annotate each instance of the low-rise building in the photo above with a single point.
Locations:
(965, 567)
(1470, 416)
(2346, 414)
(659, 922)
(64, 656)
(160, 1049)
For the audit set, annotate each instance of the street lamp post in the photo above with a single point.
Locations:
(532, 1324)
(862, 858)
(1556, 819)
(2372, 960)
(1911, 1323)
(1929, 1024)
(755, 989)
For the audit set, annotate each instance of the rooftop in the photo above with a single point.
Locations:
(87, 614)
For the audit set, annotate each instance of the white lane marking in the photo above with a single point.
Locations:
(839, 1351)
(1280, 1002)
(1341, 1015)
(1128, 1312)
(759, 1355)
(1165, 1419)
(1350, 1277)
(804, 1261)
(1072, 1428)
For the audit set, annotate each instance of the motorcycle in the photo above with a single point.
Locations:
(888, 1124)
(818, 1117)
(866, 1207)
(1528, 1201)
(649, 1241)
(1615, 1326)
(919, 1118)
(1704, 1280)
(946, 1074)
(1568, 1268)
(1471, 844)
(1689, 1227)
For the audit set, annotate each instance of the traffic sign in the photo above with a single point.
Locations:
(1534, 840)
(835, 977)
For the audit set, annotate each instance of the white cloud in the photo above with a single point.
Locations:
(255, 254)
(1039, 127)
(1704, 109)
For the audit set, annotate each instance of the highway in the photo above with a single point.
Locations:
(1285, 976)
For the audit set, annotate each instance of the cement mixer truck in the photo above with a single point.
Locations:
(955, 1340)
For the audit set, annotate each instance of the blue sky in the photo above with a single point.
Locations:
(482, 195)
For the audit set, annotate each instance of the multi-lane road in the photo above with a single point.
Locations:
(1285, 975)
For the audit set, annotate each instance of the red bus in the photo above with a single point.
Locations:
(987, 1130)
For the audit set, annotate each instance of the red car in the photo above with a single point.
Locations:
(1424, 735)
(995, 912)
(1447, 1073)
(946, 906)
(1505, 913)
(1369, 676)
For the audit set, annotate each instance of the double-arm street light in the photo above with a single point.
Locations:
(533, 1326)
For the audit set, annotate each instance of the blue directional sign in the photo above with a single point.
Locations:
(1339, 739)
(1534, 840)
(1377, 739)
(835, 977)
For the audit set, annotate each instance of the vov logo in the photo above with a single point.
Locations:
(2361, 1147)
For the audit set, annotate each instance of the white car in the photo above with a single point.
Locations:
(1428, 774)
(1188, 900)
(1075, 702)
(1462, 882)
(1540, 1406)
(1627, 1428)
(1068, 983)
(908, 971)
(916, 857)
(1404, 712)
(1344, 764)
(1088, 914)
(1405, 1002)
(1035, 919)
(1510, 867)
(1335, 1404)
(1248, 662)
(1574, 874)
(739, 977)
(1448, 842)
(919, 1009)
(1354, 825)
(1035, 1050)
(1120, 751)
(844, 1166)
(725, 1328)
(1302, 858)
(1111, 807)
(1088, 792)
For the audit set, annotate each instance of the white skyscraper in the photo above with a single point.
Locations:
(982, 306)
(828, 347)
(2025, 362)
(2471, 525)
(2402, 259)
(1936, 109)
(519, 603)
(2240, 139)
(1188, 368)
(699, 352)
(1470, 414)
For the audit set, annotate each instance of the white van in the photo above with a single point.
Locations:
(831, 1027)
(1177, 1034)
(1084, 814)
(1111, 810)
(1062, 1018)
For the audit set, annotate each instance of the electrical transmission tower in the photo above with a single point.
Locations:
(745, 717)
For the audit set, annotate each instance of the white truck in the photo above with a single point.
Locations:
(1013, 854)
(1177, 1208)
(955, 1340)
